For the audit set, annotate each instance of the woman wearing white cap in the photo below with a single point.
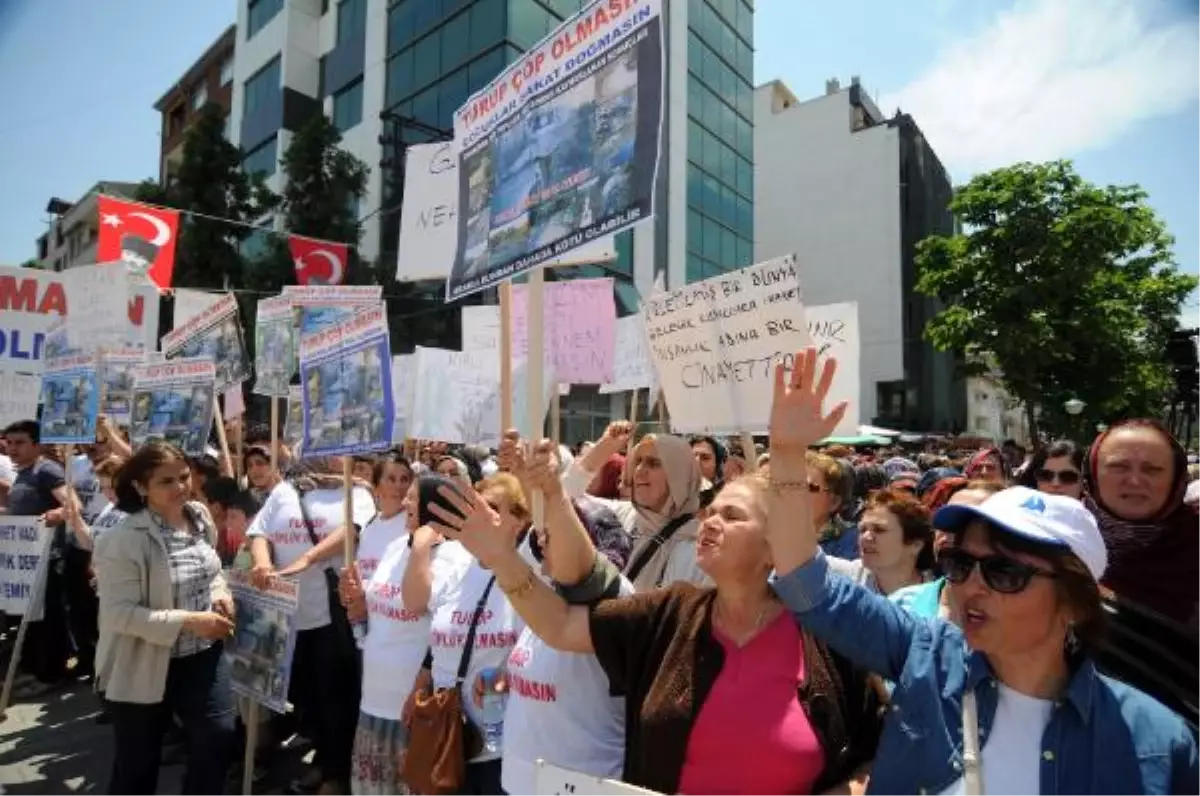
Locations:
(1009, 703)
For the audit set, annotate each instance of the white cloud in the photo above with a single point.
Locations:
(1052, 78)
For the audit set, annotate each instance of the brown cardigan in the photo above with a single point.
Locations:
(659, 653)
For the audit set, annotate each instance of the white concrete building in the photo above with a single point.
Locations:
(851, 193)
(73, 228)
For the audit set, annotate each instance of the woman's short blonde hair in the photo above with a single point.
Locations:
(508, 484)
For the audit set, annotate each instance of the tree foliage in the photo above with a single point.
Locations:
(1068, 288)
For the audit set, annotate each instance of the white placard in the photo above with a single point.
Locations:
(457, 397)
(833, 328)
(24, 543)
(92, 292)
(632, 367)
(190, 303)
(404, 388)
(429, 219)
(715, 345)
(19, 394)
(552, 780)
(235, 402)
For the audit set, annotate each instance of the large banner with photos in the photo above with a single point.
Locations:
(562, 148)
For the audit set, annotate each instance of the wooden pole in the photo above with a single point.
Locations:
(219, 419)
(275, 432)
(556, 417)
(348, 508)
(633, 407)
(535, 362)
(506, 386)
(749, 452)
(251, 748)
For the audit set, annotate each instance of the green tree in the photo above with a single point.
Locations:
(1068, 288)
(210, 182)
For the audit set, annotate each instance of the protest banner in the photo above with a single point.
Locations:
(293, 419)
(715, 345)
(264, 640)
(190, 303)
(31, 300)
(19, 396)
(345, 376)
(552, 780)
(174, 401)
(24, 543)
(92, 291)
(319, 306)
(274, 347)
(404, 390)
(216, 334)
(457, 397)
(833, 329)
(562, 147)
(429, 218)
(70, 400)
(116, 380)
(579, 328)
(632, 366)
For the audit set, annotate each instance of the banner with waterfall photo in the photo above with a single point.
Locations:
(562, 148)
(173, 401)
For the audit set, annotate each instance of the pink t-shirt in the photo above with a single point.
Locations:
(752, 735)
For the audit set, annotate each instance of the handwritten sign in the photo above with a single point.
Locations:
(552, 780)
(404, 389)
(833, 328)
(632, 367)
(715, 345)
(23, 547)
(19, 394)
(579, 329)
(92, 292)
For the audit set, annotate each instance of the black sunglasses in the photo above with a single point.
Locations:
(1066, 477)
(1000, 573)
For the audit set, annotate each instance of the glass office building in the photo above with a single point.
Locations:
(439, 52)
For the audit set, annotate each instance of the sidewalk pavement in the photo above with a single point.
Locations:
(53, 745)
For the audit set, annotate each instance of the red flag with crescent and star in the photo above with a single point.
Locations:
(318, 262)
(141, 236)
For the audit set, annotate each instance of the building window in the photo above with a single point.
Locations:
(348, 106)
(259, 13)
(200, 97)
(351, 19)
(261, 87)
(227, 70)
(261, 159)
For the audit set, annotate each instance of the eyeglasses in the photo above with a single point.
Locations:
(1064, 477)
(1000, 573)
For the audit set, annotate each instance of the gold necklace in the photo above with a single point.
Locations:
(745, 638)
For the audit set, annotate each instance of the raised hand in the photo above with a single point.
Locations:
(542, 470)
(476, 526)
(797, 410)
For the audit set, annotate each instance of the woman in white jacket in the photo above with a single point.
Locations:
(164, 614)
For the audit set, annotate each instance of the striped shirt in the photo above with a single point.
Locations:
(194, 565)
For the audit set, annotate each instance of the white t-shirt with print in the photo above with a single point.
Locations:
(561, 704)
(496, 634)
(396, 638)
(1011, 758)
(87, 487)
(282, 523)
(109, 518)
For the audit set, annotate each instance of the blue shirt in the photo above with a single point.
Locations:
(840, 539)
(1103, 736)
(923, 600)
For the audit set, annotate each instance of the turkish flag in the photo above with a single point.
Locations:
(141, 236)
(318, 262)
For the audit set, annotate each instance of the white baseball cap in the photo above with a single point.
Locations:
(1038, 517)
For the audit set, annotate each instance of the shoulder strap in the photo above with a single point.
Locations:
(308, 524)
(465, 661)
(654, 545)
(972, 770)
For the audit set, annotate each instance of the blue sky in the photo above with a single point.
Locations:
(1112, 84)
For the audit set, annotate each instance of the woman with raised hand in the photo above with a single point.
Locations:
(723, 692)
(165, 612)
(1009, 703)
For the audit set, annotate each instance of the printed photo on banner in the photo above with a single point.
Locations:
(274, 347)
(173, 401)
(715, 345)
(116, 380)
(317, 307)
(24, 543)
(70, 400)
(293, 419)
(216, 334)
(32, 300)
(20, 394)
(562, 148)
(260, 654)
(345, 376)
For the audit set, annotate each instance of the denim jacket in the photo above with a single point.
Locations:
(1103, 736)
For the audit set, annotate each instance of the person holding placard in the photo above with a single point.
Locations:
(661, 513)
(723, 692)
(165, 611)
